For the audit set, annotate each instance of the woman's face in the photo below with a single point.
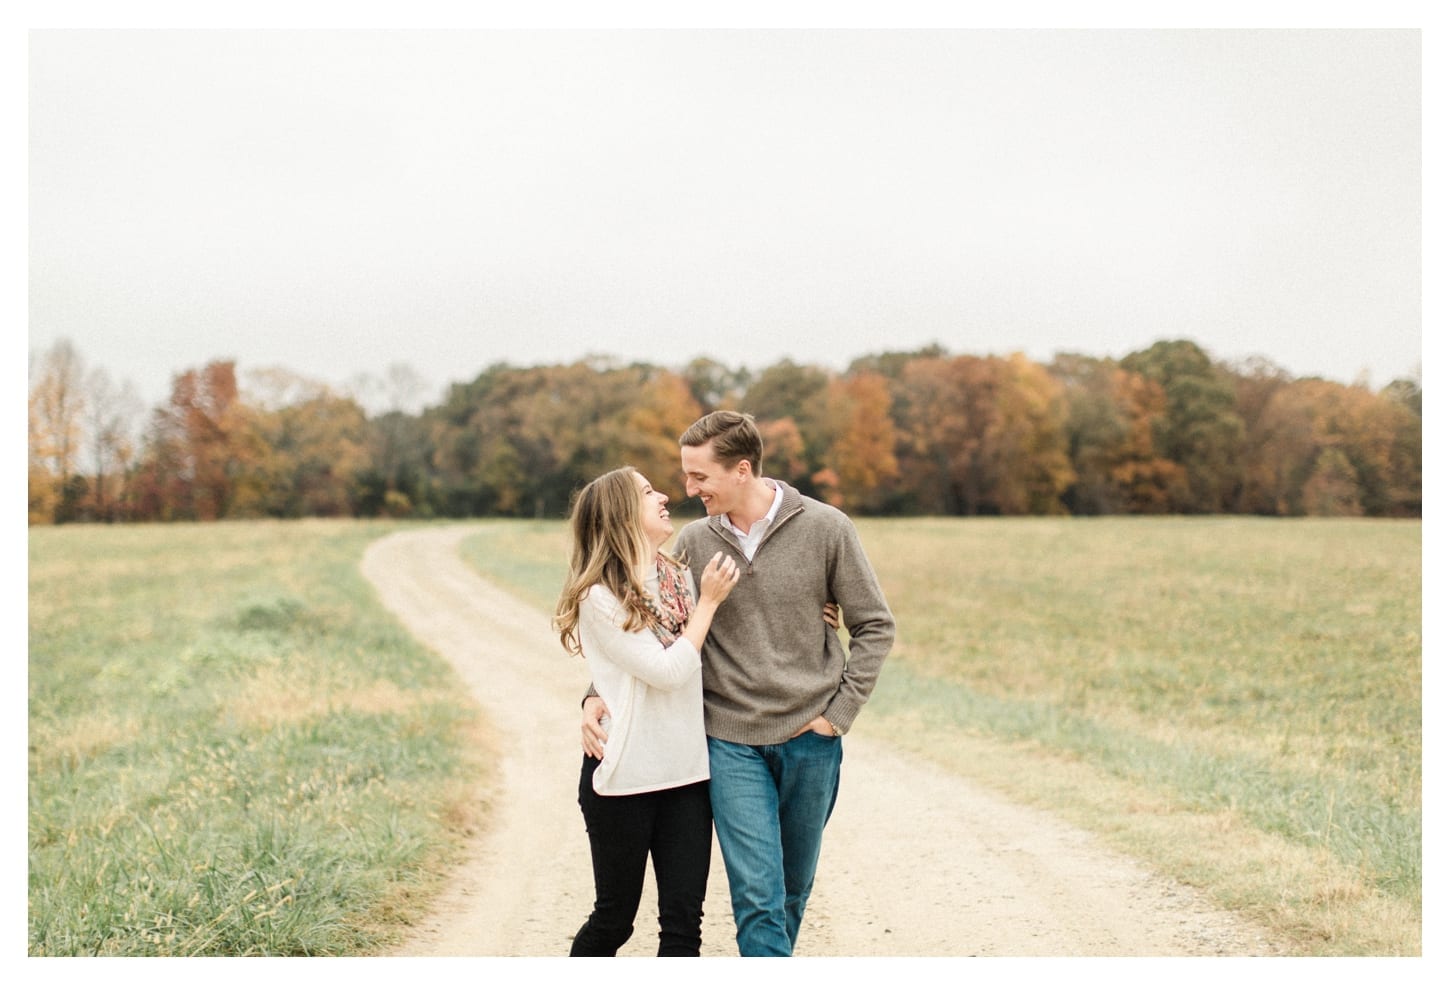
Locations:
(657, 526)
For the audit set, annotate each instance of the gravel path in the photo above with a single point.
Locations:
(916, 863)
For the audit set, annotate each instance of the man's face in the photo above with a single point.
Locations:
(718, 487)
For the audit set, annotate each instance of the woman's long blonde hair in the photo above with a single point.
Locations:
(609, 546)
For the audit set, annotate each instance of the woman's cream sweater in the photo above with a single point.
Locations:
(656, 720)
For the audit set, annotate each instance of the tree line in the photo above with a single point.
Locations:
(1163, 430)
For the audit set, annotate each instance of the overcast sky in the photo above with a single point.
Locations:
(335, 202)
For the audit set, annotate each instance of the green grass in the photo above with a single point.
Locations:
(1235, 700)
(529, 556)
(233, 749)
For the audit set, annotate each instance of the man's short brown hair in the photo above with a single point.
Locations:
(732, 436)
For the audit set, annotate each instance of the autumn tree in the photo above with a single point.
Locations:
(1200, 429)
(948, 406)
(1404, 398)
(111, 421)
(1144, 482)
(983, 435)
(1284, 444)
(43, 494)
(1024, 447)
(310, 446)
(202, 449)
(1370, 430)
(1327, 448)
(457, 446)
(1256, 383)
(663, 408)
(862, 454)
(494, 447)
(1094, 429)
(520, 441)
(1332, 488)
(891, 364)
(56, 409)
(713, 385)
(1165, 430)
(1111, 417)
(398, 477)
(788, 392)
(785, 453)
(1407, 392)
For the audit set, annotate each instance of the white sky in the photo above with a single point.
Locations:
(333, 202)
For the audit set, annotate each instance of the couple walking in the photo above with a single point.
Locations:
(721, 705)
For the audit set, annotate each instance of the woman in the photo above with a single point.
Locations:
(630, 611)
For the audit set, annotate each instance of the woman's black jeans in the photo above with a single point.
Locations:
(670, 826)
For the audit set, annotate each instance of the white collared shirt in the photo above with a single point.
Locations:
(750, 539)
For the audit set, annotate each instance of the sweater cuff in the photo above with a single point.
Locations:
(840, 713)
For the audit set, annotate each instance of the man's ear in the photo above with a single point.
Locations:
(743, 470)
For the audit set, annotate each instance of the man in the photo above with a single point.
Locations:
(779, 691)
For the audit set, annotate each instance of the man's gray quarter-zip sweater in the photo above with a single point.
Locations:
(771, 663)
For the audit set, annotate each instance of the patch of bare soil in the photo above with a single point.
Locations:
(917, 862)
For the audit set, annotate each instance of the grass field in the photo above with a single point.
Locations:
(233, 751)
(1235, 700)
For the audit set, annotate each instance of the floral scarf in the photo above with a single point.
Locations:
(675, 603)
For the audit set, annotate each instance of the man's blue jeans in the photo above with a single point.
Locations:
(771, 804)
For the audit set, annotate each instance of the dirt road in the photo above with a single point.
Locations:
(916, 862)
